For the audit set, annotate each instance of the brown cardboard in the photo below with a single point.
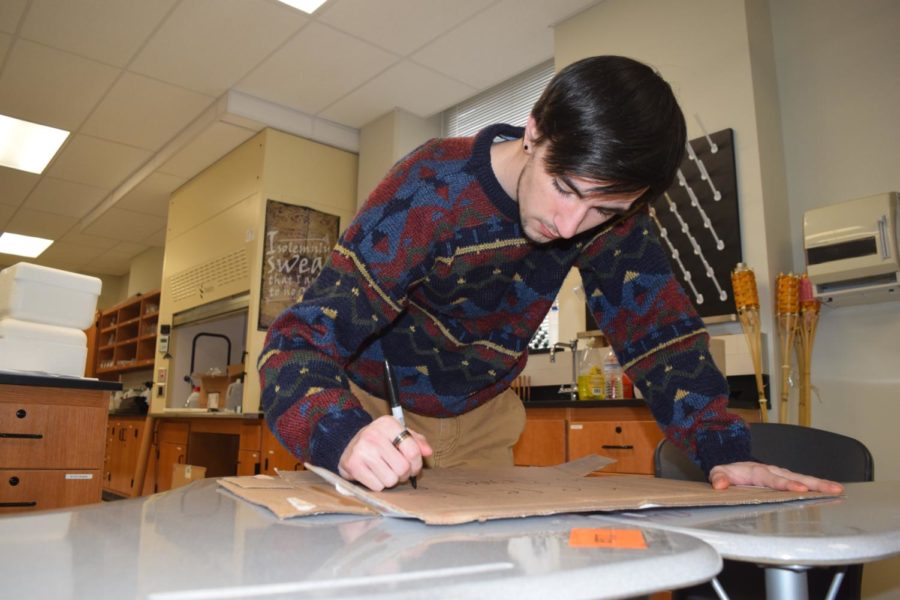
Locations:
(184, 474)
(460, 495)
(303, 495)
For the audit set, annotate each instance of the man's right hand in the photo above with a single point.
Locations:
(371, 459)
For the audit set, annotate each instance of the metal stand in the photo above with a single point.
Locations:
(787, 583)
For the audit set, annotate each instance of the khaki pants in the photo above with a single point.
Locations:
(481, 437)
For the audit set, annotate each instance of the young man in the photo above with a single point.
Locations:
(451, 265)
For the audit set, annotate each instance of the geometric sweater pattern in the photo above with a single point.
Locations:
(435, 275)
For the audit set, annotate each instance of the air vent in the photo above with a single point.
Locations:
(211, 280)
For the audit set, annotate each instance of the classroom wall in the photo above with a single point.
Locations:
(145, 273)
(839, 85)
(386, 140)
(811, 90)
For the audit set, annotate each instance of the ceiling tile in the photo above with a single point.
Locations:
(157, 239)
(151, 196)
(5, 43)
(36, 78)
(6, 213)
(477, 39)
(128, 249)
(10, 14)
(40, 224)
(143, 112)
(76, 253)
(303, 76)
(96, 162)
(400, 26)
(409, 86)
(208, 45)
(214, 143)
(64, 197)
(124, 225)
(110, 31)
(111, 264)
(75, 236)
(15, 185)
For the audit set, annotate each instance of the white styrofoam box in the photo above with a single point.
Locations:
(43, 295)
(27, 346)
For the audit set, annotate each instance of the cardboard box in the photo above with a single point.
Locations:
(218, 384)
(184, 474)
(43, 295)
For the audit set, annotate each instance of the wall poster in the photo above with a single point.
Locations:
(297, 243)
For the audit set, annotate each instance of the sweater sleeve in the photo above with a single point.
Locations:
(661, 342)
(305, 392)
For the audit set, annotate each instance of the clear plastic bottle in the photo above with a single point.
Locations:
(612, 375)
(590, 374)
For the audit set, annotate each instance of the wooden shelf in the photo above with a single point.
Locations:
(128, 333)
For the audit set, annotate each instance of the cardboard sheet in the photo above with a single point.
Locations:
(303, 495)
(461, 495)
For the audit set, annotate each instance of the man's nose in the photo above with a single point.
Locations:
(568, 221)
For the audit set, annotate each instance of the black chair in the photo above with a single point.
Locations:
(803, 450)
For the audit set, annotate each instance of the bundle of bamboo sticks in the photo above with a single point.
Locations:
(746, 299)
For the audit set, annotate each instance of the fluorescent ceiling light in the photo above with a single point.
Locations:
(23, 245)
(28, 146)
(307, 6)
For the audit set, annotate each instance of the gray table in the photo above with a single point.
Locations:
(861, 526)
(198, 542)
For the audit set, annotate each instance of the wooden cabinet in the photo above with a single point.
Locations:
(123, 442)
(276, 456)
(126, 335)
(51, 443)
(556, 435)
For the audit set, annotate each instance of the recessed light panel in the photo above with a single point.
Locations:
(28, 146)
(23, 245)
(307, 6)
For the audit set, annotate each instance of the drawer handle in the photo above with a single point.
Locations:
(617, 447)
(18, 504)
(23, 436)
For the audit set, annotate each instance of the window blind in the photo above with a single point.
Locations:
(509, 102)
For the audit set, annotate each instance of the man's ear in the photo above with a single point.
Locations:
(531, 134)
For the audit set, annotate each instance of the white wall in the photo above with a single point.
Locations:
(838, 65)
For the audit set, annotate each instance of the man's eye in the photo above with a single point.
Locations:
(561, 189)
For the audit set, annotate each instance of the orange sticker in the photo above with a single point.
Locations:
(607, 538)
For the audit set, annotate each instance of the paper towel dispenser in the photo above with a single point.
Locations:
(851, 250)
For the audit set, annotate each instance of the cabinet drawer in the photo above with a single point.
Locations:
(24, 490)
(173, 432)
(630, 443)
(51, 436)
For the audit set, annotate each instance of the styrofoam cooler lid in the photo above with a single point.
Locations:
(16, 329)
(47, 275)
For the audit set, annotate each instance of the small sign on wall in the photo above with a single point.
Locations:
(297, 242)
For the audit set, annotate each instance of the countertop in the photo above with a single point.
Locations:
(199, 542)
(11, 378)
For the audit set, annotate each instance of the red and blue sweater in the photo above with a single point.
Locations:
(435, 275)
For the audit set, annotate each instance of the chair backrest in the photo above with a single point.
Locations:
(804, 450)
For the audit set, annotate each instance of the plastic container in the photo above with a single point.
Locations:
(612, 375)
(43, 295)
(590, 375)
(26, 346)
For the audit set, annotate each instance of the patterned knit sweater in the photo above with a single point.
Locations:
(435, 275)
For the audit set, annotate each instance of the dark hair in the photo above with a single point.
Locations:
(611, 118)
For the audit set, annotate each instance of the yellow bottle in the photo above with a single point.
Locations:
(590, 375)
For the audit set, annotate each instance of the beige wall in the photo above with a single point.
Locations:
(386, 140)
(811, 91)
(839, 85)
(145, 273)
(222, 211)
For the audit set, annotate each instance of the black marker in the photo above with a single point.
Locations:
(397, 411)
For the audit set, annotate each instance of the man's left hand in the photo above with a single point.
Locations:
(758, 474)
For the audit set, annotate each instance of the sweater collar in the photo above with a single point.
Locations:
(481, 164)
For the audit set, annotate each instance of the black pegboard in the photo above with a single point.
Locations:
(724, 221)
